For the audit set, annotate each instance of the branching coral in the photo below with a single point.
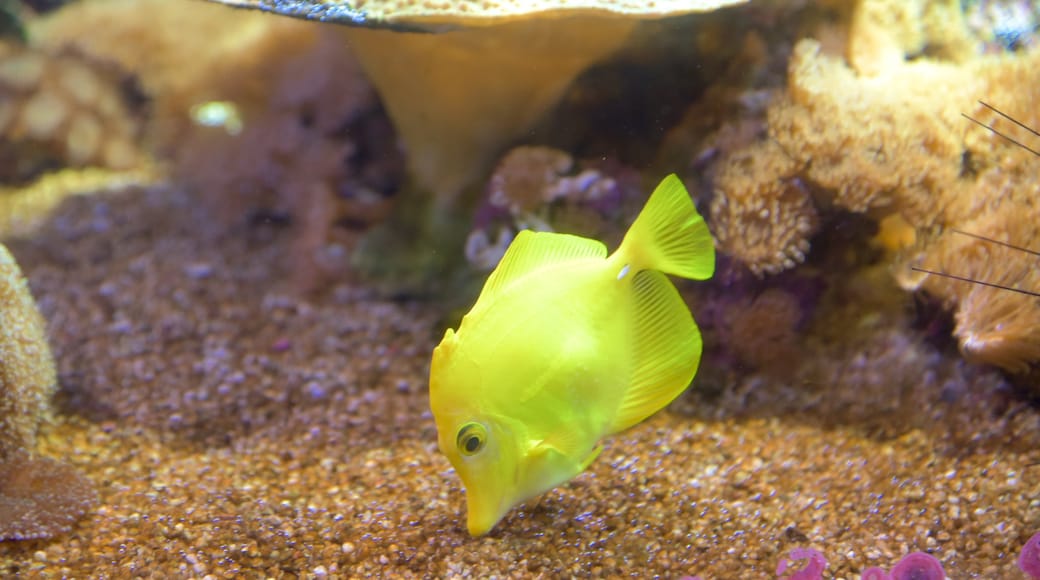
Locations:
(38, 497)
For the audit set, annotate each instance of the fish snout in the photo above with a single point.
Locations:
(483, 511)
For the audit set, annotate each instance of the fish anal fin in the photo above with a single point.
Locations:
(666, 349)
(533, 250)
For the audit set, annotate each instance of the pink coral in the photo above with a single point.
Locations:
(811, 570)
(918, 566)
(875, 573)
(1029, 558)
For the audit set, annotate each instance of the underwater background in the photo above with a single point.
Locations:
(244, 226)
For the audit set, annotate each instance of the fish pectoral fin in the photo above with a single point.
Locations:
(592, 457)
(565, 453)
(533, 250)
(666, 349)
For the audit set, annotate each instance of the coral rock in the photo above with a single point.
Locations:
(27, 376)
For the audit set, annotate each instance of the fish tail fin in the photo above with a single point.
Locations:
(669, 236)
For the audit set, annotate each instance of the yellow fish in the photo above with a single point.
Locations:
(564, 346)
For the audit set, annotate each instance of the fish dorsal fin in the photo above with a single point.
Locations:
(666, 349)
(532, 250)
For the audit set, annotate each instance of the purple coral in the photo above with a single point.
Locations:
(811, 570)
(918, 566)
(875, 573)
(1029, 558)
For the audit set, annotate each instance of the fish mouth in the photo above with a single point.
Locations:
(483, 512)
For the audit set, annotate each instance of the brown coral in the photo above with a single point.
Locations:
(258, 115)
(762, 331)
(762, 213)
(27, 377)
(522, 180)
(529, 177)
(883, 134)
(993, 326)
(541, 188)
(879, 145)
(38, 497)
(63, 107)
(66, 127)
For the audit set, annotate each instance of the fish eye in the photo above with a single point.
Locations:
(471, 438)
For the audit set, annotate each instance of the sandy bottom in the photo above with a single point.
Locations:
(233, 429)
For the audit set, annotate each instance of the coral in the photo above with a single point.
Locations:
(258, 116)
(60, 112)
(762, 331)
(898, 146)
(882, 133)
(918, 566)
(893, 142)
(1029, 557)
(993, 325)
(544, 189)
(913, 566)
(885, 32)
(468, 12)
(27, 376)
(763, 214)
(63, 106)
(524, 178)
(38, 496)
(435, 86)
(451, 120)
(296, 142)
(176, 69)
(812, 569)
